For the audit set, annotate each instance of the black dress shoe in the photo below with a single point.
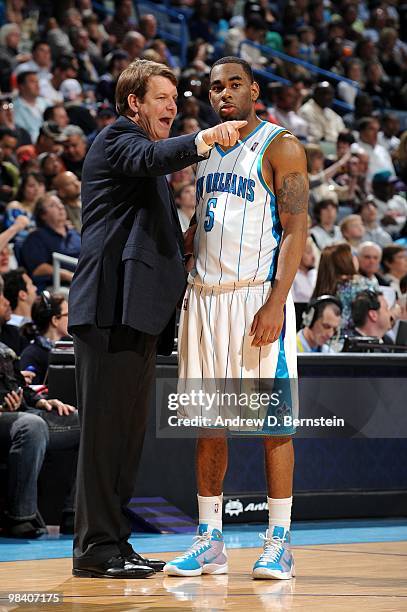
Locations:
(155, 564)
(116, 567)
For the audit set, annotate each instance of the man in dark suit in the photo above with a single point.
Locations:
(129, 278)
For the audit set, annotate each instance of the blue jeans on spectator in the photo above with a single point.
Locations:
(26, 436)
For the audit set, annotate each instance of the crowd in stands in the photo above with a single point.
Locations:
(59, 64)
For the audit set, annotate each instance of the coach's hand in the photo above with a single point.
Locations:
(226, 134)
(267, 324)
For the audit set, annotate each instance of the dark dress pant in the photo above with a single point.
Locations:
(115, 371)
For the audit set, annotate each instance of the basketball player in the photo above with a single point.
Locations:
(238, 319)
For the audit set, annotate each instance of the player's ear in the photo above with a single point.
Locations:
(255, 91)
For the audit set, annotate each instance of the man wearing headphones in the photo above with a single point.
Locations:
(321, 322)
(372, 316)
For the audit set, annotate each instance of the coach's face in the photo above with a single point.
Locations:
(231, 93)
(156, 112)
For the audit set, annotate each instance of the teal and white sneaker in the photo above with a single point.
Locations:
(207, 555)
(276, 561)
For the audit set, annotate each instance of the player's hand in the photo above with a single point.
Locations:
(226, 134)
(267, 324)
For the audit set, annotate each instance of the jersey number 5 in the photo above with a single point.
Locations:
(210, 215)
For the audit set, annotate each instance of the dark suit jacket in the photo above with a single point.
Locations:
(131, 266)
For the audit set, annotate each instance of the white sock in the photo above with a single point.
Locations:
(210, 511)
(279, 513)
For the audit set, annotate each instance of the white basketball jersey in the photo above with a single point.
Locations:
(238, 226)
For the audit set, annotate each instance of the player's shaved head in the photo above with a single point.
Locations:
(231, 59)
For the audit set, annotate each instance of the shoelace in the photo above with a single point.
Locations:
(272, 548)
(201, 540)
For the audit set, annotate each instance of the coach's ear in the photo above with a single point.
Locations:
(132, 102)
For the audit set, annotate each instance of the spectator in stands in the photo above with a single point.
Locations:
(323, 122)
(29, 425)
(326, 232)
(68, 188)
(379, 158)
(31, 188)
(65, 67)
(185, 200)
(6, 237)
(50, 317)
(188, 125)
(181, 178)
(352, 230)
(201, 23)
(401, 158)
(374, 232)
(7, 120)
(320, 178)
(371, 316)
(304, 281)
(394, 264)
(392, 207)
(106, 115)
(97, 33)
(57, 38)
(9, 334)
(78, 114)
(28, 105)
(288, 69)
(253, 31)
(148, 27)
(9, 176)
(121, 22)
(378, 88)
(52, 235)
(21, 293)
(106, 87)
(369, 257)
(90, 65)
(8, 144)
(354, 72)
(337, 275)
(321, 323)
(363, 108)
(10, 57)
(75, 147)
(57, 114)
(41, 61)
(388, 137)
(5, 256)
(133, 44)
(50, 138)
(285, 113)
(50, 165)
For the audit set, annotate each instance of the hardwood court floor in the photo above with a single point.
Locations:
(345, 577)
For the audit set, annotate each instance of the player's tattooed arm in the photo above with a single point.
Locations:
(292, 196)
(286, 159)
